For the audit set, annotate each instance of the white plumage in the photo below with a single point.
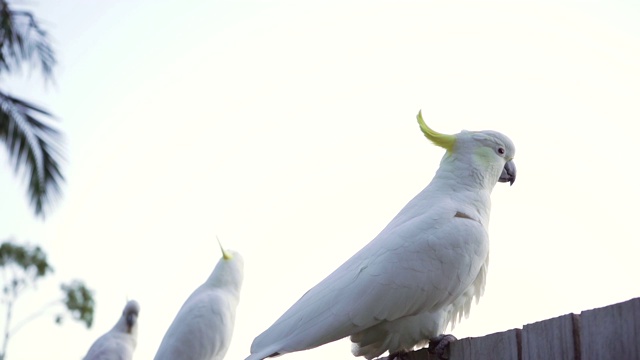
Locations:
(203, 327)
(419, 274)
(119, 342)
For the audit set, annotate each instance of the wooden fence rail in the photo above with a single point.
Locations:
(610, 332)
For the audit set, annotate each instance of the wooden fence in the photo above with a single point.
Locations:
(611, 332)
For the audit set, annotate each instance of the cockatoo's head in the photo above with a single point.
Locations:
(130, 315)
(230, 269)
(490, 150)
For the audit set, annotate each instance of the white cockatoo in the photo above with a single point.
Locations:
(119, 342)
(203, 327)
(419, 274)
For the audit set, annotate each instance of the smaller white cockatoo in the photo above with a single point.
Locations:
(119, 342)
(203, 327)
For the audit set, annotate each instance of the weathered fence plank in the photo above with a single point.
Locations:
(502, 345)
(611, 332)
(422, 354)
(550, 339)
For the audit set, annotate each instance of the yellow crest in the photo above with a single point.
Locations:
(225, 255)
(442, 140)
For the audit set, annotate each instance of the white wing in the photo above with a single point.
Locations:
(416, 264)
(202, 328)
(111, 346)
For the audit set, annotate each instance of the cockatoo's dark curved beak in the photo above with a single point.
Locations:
(508, 173)
(131, 319)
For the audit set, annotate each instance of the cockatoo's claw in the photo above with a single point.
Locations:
(438, 346)
(399, 355)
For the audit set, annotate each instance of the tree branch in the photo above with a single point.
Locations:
(5, 341)
(34, 315)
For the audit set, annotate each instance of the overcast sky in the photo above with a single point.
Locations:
(288, 129)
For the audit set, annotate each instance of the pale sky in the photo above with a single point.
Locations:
(288, 129)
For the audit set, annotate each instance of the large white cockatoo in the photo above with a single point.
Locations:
(420, 274)
(119, 342)
(203, 327)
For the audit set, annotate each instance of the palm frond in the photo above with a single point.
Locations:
(35, 149)
(23, 40)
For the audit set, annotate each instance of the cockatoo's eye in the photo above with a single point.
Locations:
(501, 150)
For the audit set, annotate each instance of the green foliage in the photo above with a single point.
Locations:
(33, 143)
(22, 266)
(32, 261)
(79, 301)
(35, 146)
(23, 40)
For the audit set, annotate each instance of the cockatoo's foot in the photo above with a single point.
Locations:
(398, 355)
(439, 345)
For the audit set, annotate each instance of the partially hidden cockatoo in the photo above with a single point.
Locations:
(203, 327)
(420, 274)
(119, 342)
